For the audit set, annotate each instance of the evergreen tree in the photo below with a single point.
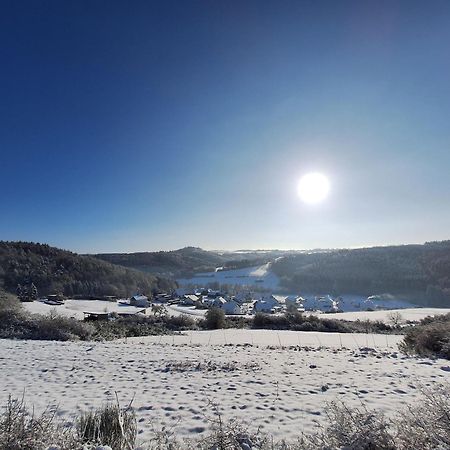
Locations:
(33, 292)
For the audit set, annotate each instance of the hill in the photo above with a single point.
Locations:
(186, 261)
(53, 270)
(169, 264)
(420, 271)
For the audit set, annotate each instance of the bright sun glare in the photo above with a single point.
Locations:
(313, 187)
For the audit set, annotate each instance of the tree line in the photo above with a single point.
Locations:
(51, 270)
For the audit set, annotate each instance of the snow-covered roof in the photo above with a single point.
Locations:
(280, 298)
(139, 297)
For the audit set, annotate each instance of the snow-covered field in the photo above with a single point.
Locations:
(75, 308)
(256, 277)
(174, 381)
(386, 316)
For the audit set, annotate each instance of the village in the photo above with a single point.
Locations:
(196, 301)
(248, 302)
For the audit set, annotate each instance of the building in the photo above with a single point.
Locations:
(295, 302)
(218, 302)
(327, 304)
(162, 298)
(189, 300)
(232, 307)
(140, 301)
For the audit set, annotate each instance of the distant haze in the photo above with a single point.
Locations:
(155, 125)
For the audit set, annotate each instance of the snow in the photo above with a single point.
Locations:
(251, 375)
(407, 314)
(256, 277)
(75, 308)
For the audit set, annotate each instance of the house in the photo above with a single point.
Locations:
(162, 298)
(295, 302)
(232, 307)
(244, 297)
(327, 304)
(189, 300)
(182, 291)
(140, 301)
(218, 302)
(269, 303)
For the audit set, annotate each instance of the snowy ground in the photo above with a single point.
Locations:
(75, 308)
(407, 314)
(255, 277)
(262, 381)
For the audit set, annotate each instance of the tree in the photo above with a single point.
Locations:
(33, 292)
(214, 319)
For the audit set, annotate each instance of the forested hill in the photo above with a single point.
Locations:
(422, 271)
(170, 264)
(187, 261)
(59, 271)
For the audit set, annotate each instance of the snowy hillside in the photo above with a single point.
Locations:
(257, 276)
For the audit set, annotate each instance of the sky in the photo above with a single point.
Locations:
(147, 125)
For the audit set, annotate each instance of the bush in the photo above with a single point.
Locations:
(354, 429)
(180, 323)
(214, 319)
(9, 301)
(431, 339)
(296, 321)
(17, 324)
(109, 425)
(22, 430)
(427, 424)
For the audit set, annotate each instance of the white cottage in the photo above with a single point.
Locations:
(269, 303)
(296, 302)
(232, 307)
(327, 304)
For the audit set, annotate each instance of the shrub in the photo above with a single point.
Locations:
(214, 319)
(354, 429)
(431, 339)
(427, 424)
(17, 324)
(22, 430)
(180, 323)
(9, 301)
(270, 321)
(109, 425)
(60, 328)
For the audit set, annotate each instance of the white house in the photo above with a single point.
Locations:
(218, 302)
(262, 306)
(232, 307)
(268, 303)
(295, 301)
(327, 304)
(139, 300)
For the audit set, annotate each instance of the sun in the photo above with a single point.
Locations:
(313, 187)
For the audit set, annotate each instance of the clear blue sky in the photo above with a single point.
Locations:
(128, 126)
